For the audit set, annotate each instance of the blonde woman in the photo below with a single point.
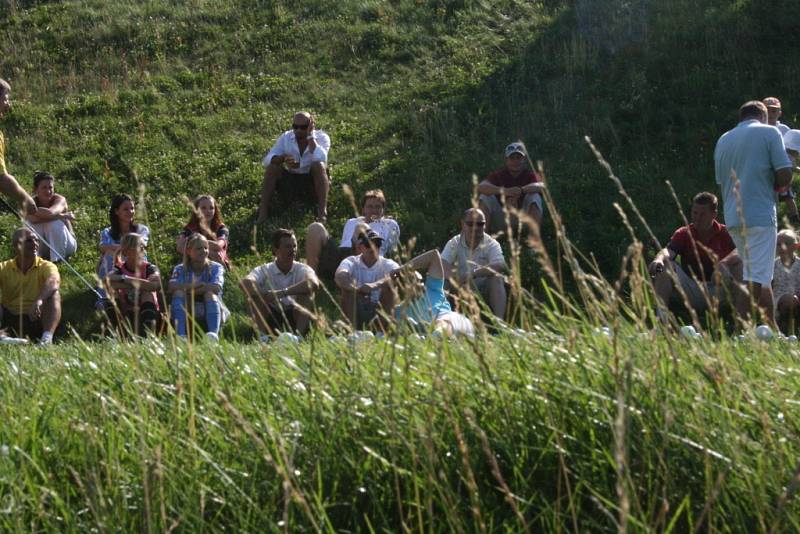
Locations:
(196, 289)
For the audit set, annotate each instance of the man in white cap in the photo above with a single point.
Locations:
(774, 113)
(751, 165)
(514, 186)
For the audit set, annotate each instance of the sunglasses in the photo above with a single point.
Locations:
(475, 223)
(300, 126)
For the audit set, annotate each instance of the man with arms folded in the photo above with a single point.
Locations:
(702, 245)
(280, 293)
(426, 303)
(8, 184)
(514, 186)
(31, 303)
(774, 113)
(299, 160)
(475, 260)
(324, 255)
(750, 166)
(365, 281)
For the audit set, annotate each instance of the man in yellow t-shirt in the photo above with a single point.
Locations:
(8, 184)
(31, 303)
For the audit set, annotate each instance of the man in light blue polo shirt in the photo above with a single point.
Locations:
(751, 165)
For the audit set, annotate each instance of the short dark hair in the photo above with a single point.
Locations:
(278, 235)
(752, 109)
(373, 193)
(41, 176)
(706, 199)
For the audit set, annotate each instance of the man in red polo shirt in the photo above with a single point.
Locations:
(702, 247)
(514, 186)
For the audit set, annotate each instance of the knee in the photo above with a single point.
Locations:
(211, 297)
(316, 232)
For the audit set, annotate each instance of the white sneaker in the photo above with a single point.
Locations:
(213, 337)
(46, 339)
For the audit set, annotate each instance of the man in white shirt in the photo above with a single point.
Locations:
(475, 260)
(299, 160)
(366, 283)
(324, 255)
(280, 294)
(751, 165)
(774, 112)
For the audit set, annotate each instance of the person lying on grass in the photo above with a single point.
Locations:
(206, 219)
(324, 255)
(280, 293)
(52, 219)
(196, 289)
(425, 303)
(121, 215)
(8, 184)
(134, 282)
(29, 291)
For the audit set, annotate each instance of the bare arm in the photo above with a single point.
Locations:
(664, 255)
(783, 177)
(10, 187)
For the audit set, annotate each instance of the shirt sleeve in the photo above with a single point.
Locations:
(449, 252)
(177, 274)
(50, 270)
(143, 231)
(393, 236)
(323, 141)
(105, 237)
(150, 270)
(278, 149)
(777, 152)
(216, 274)
(347, 233)
(346, 266)
(495, 253)
(678, 241)
(223, 232)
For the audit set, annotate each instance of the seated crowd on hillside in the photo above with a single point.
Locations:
(703, 265)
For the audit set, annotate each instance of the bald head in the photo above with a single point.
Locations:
(473, 213)
(20, 234)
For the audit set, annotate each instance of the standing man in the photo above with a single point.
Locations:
(475, 260)
(701, 245)
(299, 160)
(774, 113)
(514, 186)
(280, 293)
(8, 184)
(31, 303)
(750, 166)
(365, 281)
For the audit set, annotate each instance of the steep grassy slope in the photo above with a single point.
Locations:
(182, 97)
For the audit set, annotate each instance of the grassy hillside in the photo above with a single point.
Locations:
(175, 98)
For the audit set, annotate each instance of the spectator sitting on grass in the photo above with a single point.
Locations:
(121, 216)
(280, 293)
(206, 219)
(324, 255)
(196, 288)
(134, 282)
(8, 184)
(474, 260)
(298, 161)
(366, 284)
(513, 186)
(29, 291)
(426, 304)
(785, 281)
(701, 246)
(52, 219)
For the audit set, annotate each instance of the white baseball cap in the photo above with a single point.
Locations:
(791, 140)
(515, 148)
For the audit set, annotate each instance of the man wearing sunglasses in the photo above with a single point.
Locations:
(31, 303)
(474, 260)
(298, 162)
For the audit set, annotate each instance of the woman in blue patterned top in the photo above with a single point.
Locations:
(121, 216)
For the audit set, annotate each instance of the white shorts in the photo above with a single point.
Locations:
(756, 247)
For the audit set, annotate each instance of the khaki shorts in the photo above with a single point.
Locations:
(699, 293)
(496, 216)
